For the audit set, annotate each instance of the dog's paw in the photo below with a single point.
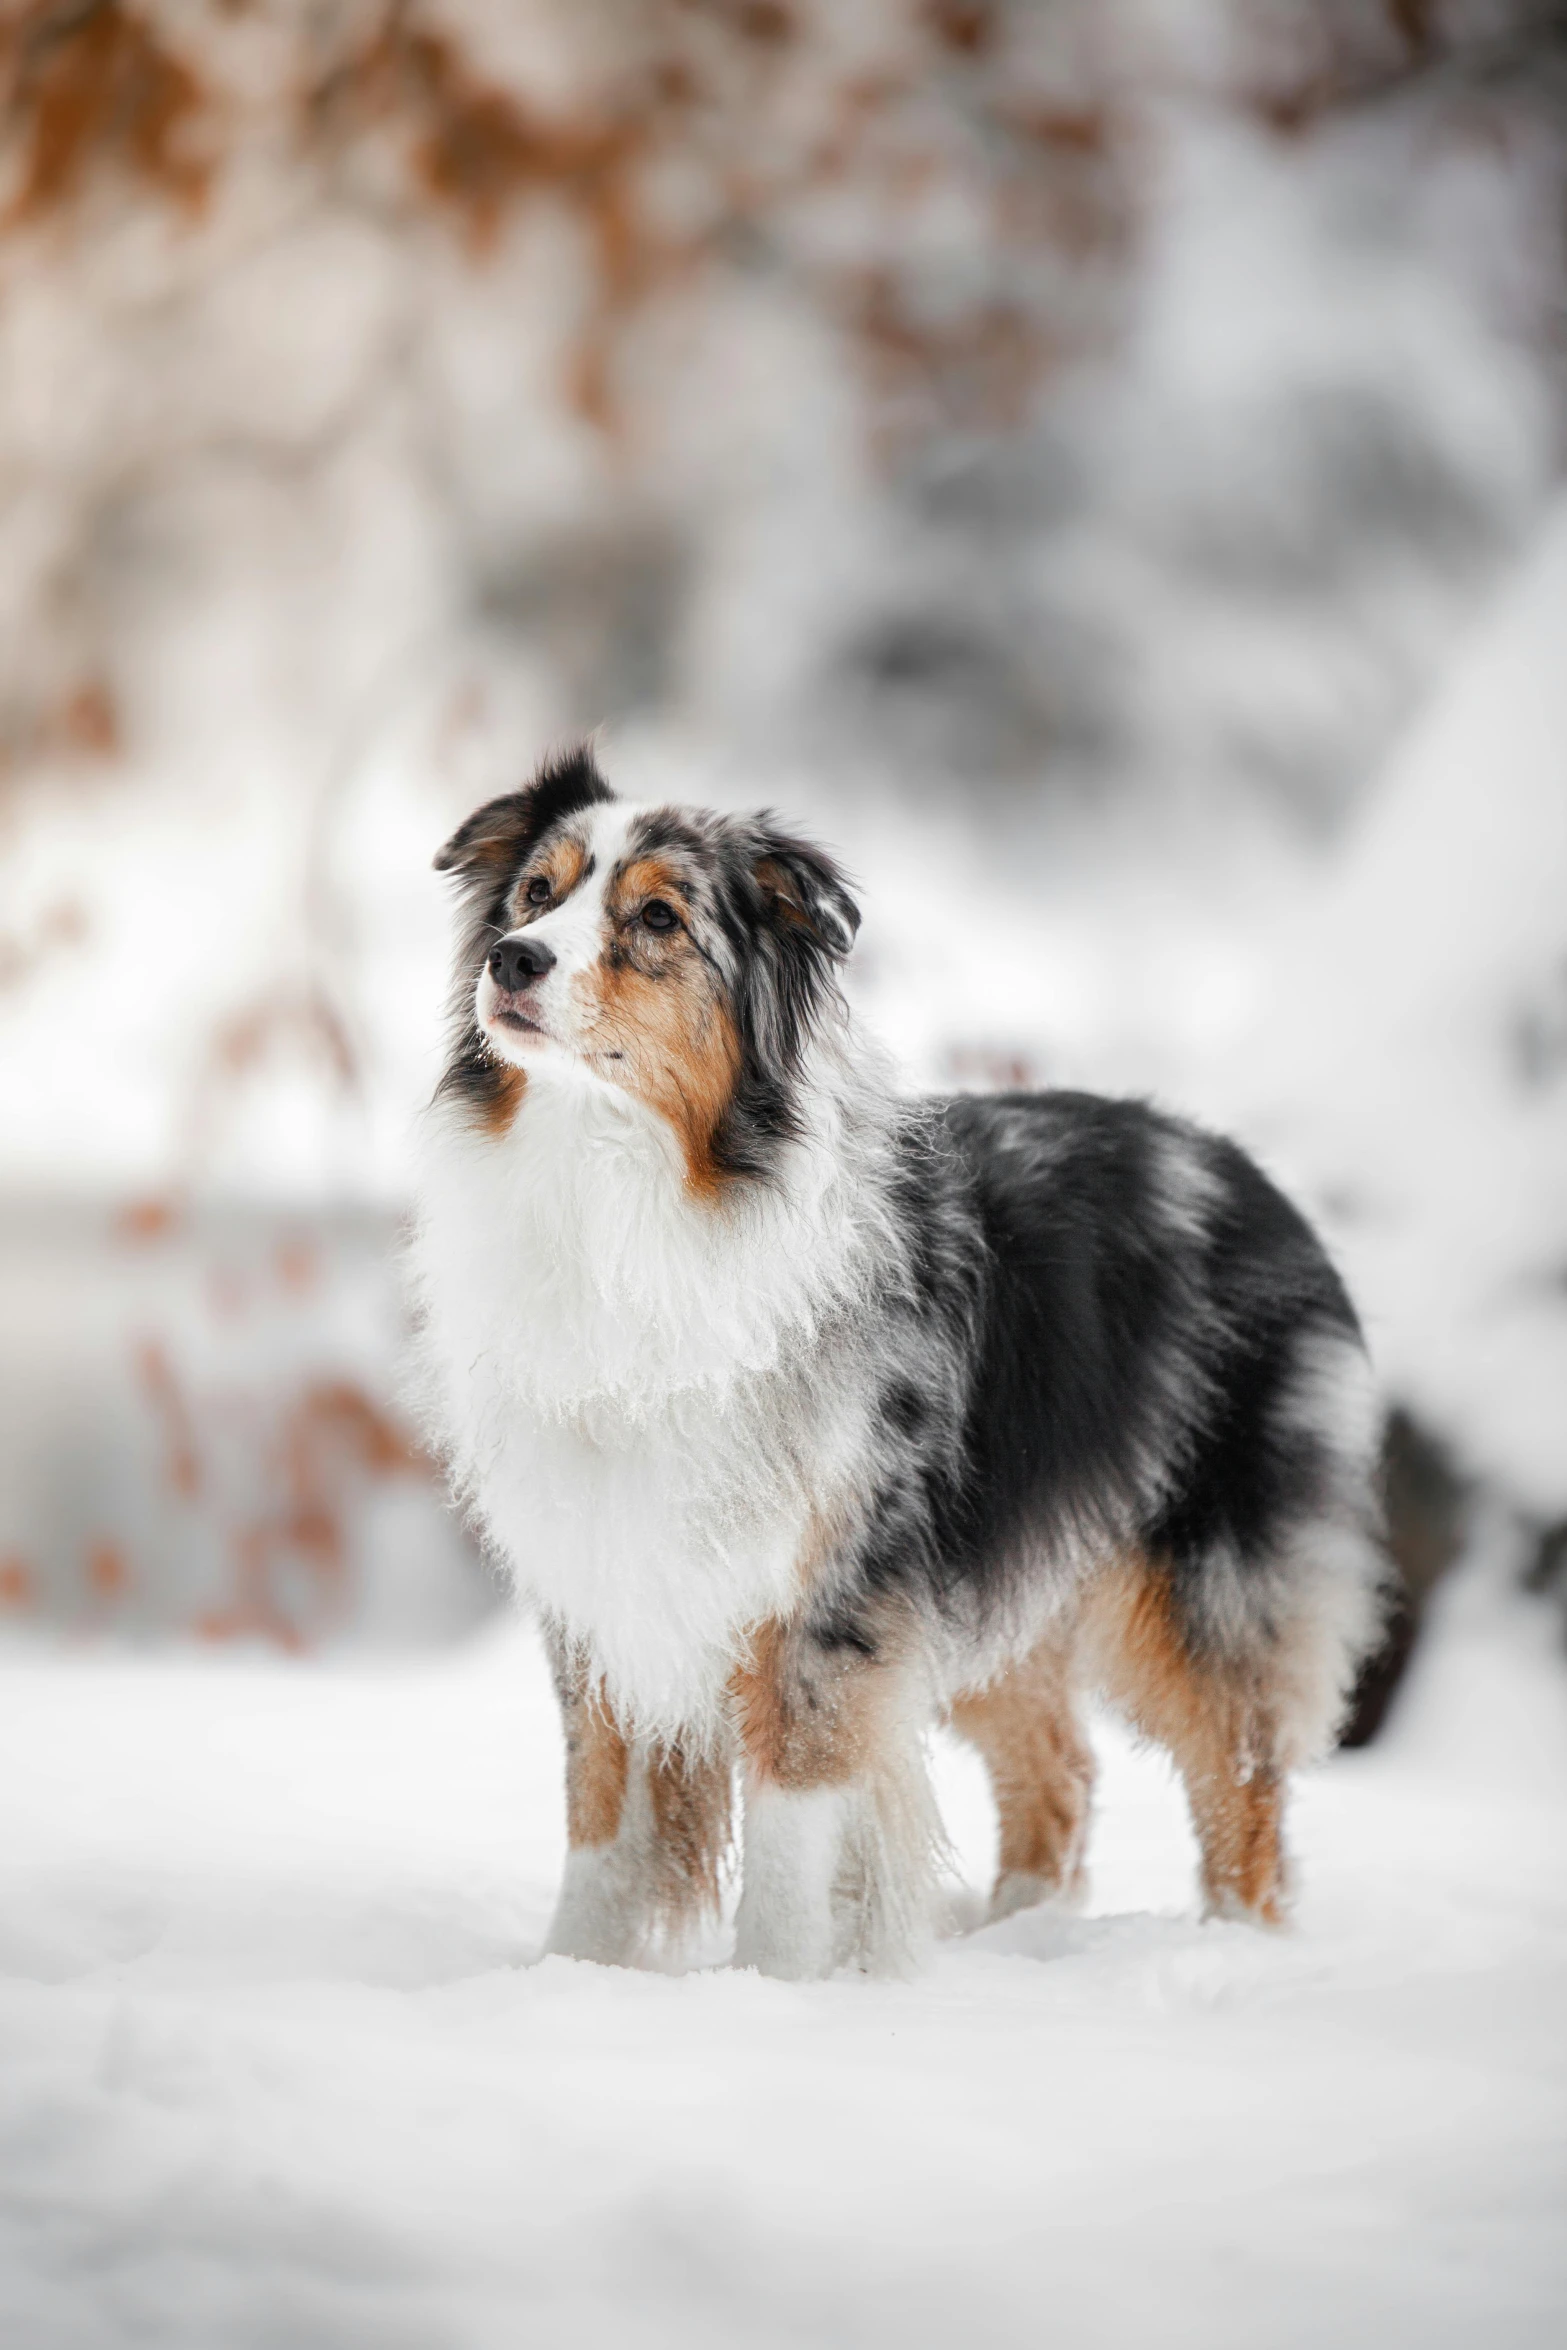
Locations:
(1017, 1889)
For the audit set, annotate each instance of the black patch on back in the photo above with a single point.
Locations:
(1123, 1363)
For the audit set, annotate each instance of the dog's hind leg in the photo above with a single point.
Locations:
(647, 1828)
(1025, 1724)
(1236, 1797)
(1218, 1719)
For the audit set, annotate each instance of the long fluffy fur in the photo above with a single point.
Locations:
(907, 1378)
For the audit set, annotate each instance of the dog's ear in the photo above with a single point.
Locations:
(496, 837)
(491, 840)
(805, 892)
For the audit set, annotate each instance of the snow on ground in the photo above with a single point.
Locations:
(277, 2070)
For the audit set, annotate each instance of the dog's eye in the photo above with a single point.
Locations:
(538, 890)
(658, 916)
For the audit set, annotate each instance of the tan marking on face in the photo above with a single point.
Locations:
(653, 1020)
(1041, 1766)
(1216, 1722)
(561, 863)
(645, 877)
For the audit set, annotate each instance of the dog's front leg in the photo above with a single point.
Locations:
(646, 1832)
(793, 1845)
(840, 1828)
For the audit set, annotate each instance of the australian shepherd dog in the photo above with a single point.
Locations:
(807, 1413)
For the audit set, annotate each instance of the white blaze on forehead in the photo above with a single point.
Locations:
(574, 930)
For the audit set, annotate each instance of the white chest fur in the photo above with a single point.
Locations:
(638, 1391)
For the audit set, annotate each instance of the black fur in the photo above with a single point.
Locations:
(487, 849)
(786, 919)
(1111, 1315)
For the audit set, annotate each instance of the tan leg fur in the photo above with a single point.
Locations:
(1217, 1724)
(647, 1832)
(1041, 1768)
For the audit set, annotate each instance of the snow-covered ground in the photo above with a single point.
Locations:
(276, 2069)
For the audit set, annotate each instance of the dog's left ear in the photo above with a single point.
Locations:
(806, 892)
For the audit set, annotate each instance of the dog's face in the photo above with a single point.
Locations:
(683, 956)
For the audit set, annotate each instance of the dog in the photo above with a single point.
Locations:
(808, 1414)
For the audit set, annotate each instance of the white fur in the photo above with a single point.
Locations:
(1338, 1586)
(629, 1381)
(846, 1875)
(884, 1893)
(793, 1850)
(607, 1894)
(1334, 1393)
(1189, 1191)
(1342, 1580)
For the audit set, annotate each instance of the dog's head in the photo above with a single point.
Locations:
(684, 956)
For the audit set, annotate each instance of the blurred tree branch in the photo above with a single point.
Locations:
(1345, 56)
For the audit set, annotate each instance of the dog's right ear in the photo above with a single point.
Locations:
(491, 840)
(495, 838)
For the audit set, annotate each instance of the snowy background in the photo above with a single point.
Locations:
(1099, 463)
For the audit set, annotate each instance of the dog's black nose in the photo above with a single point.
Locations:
(518, 962)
